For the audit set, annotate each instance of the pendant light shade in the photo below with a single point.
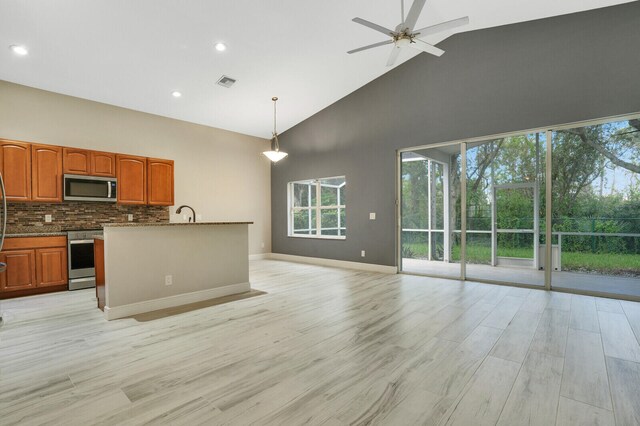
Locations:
(275, 154)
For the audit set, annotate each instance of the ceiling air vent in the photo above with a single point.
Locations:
(225, 81)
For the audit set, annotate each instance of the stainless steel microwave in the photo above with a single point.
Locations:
(90, 188)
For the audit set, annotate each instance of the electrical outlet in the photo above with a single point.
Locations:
(372, 216)
(48, 218)
(362, 253)
(168, 280)
(130, 217)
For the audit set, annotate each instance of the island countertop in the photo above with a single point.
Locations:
(151, 266)
(142, 224)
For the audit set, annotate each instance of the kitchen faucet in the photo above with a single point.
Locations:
(192, 211)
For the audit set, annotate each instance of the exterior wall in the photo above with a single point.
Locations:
(517, 77)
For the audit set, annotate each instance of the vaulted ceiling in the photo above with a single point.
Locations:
(134, 54)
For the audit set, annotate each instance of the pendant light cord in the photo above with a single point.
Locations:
(275, 132)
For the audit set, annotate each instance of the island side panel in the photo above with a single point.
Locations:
(198, 258)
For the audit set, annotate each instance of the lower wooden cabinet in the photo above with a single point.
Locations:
(34, 264)
(21, 270)
(51, 266)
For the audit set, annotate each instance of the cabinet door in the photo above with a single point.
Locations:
(160, 182)
(15, 166)
(21, 270)
(103, 164)
(75, 161)
(51, 266)
(46, 173)
(131, 172)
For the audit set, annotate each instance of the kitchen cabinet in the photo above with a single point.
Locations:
(76, 161)
(98, 260)
(46, 173)
(51, 266)
(160, 182)
(21, 270)
(15, 166)
(103, 164)
(34, 172)
(132, 179)
(86, 162)
(34, 265)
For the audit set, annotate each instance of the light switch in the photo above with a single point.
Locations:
(372, 216)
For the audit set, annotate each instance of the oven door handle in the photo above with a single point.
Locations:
(80, 241)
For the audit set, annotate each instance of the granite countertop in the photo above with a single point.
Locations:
(37, 234)
(139, 225)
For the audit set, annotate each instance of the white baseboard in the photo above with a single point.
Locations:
(369, 267)
(172, 301)
(260, 256)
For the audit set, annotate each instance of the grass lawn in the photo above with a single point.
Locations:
(603, 263)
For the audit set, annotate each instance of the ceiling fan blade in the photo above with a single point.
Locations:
(371, 46)
(394, 55)
(373, 26)
(443, 26)
(414, 13)
(426, 47)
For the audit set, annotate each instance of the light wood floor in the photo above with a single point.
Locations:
(332, 347)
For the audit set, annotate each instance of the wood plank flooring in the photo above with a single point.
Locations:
(327, 346)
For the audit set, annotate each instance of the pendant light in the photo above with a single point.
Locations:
(275, 154)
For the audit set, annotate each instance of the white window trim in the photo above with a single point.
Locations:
(318, 209)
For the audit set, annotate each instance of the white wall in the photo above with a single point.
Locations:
(198, 257)
(221, 174)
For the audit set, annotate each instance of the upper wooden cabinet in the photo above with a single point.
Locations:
(15, 166)
(160, 182)
(76, 161)
(86, 162)
(132, 179)
(103, 164)
(46, 173)
(34, 172)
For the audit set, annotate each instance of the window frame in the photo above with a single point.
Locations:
(318, 208)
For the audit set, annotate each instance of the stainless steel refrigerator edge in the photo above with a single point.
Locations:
(3, 266)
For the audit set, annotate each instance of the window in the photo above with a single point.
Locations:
(317, 208)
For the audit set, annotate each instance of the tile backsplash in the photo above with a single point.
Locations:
(69, 215)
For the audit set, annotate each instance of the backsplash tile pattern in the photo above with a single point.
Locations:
(69, 215)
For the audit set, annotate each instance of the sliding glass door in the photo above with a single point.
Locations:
(596, 208)
(477, 209)
(504, 177)
(430, 211)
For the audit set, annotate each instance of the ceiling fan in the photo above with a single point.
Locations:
(404, 34)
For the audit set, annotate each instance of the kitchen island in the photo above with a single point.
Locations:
(152, 266)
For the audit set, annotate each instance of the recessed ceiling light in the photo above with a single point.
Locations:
(221, 47)
(176, 94)
(19, 50)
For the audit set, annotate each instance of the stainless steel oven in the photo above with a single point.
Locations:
(90, 188)
(82, 272)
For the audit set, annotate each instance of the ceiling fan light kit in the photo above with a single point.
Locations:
(405, 36)
(275, 154)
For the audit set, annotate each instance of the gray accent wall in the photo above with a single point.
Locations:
(535, 74)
